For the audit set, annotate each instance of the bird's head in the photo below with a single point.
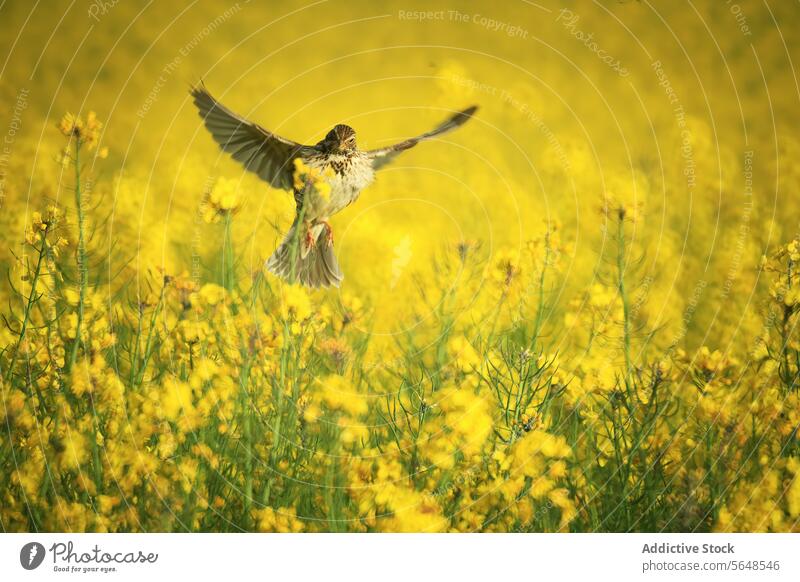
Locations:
(341, 139)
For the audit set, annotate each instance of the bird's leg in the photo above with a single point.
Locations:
(309, 241)
(328, 231)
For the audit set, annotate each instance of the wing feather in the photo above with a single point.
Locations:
(381, 157)
(260, 151)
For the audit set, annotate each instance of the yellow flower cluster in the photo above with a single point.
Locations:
(84, 132)
(308, 177)
(222, 199)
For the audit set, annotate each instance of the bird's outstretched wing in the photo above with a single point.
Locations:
(383, 156)
(260, 151)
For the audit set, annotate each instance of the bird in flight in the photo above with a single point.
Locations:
(306, 253)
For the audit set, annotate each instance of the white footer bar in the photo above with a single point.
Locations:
(387, 557)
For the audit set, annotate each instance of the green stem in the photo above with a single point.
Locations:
(248, 439)
(785, 334)
(295, 244)
(98, 468)
(540, 308)
(83, 272)
(136, 342)
(331, 497)
(626, 335)
(228, 269)
(26, 318)
(148, 342)
(274, 449)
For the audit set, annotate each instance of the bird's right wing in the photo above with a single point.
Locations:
(260, 151)
(383, 156)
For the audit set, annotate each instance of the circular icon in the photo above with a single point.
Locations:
(31, 555)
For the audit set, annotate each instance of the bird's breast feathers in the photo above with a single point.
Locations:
(351, 174)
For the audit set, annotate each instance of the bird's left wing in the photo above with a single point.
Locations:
(383, 156)
(260, 151)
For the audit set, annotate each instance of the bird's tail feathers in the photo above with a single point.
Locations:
(315, 265)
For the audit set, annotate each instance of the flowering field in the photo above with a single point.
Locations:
(576, 313)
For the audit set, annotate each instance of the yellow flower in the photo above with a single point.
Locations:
(75, 452)
(13, 403)
(411, 511)
(312, 413)
(505, 268)
(300, 171)
(86, 133)
(793, 493)
(305, 176)
(70, 124)
(72, 295)
(468, 416)
(338, 394)
(295, 303)
(280, 520)
(222, 199)
(212, 294)
(464, 355)
(176, 398)
(107, 503)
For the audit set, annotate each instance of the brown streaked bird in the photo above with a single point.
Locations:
(272, 158)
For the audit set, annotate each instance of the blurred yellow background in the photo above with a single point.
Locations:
(565, 119)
